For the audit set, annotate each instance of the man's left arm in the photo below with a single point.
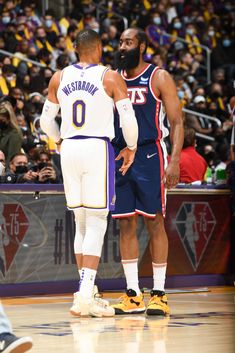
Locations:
(166, 90)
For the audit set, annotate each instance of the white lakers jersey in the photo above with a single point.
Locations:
(86, 109)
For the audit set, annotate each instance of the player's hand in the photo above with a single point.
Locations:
(128, 158)
(172, 175)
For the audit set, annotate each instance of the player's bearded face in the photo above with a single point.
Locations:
(128, 59)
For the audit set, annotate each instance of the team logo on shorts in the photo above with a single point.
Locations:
(195, 223)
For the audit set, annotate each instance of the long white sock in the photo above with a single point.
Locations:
(159, 276)
(87, 282)
(130, 268)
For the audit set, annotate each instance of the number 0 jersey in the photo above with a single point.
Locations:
(86, 109)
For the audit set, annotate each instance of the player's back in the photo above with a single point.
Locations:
(86, 109)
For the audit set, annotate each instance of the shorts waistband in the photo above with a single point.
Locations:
(82, 137)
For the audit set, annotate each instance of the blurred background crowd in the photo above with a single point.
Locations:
(193, 40)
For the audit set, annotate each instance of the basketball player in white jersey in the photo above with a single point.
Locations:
(86, 92)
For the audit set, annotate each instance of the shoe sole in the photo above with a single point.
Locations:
(74, 313)
(100, 315)
(156, 312)
(122, 312)
(15, 347)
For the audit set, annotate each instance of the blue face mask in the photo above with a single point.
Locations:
(190, 31)
(226, 43)
(177, 25)
(48, 23)
(157, 20)
(6, 20)
(181, 94)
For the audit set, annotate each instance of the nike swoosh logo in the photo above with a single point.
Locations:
(134, 302)
(151, 155)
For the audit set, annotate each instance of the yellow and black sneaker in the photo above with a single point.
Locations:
(130, 303)
(157, 304)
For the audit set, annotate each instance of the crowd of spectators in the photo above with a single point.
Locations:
(179, 31)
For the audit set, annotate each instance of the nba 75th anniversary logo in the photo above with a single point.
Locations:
(195, 223)
(13, 227)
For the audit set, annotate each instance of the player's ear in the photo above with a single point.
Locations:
(142, 47)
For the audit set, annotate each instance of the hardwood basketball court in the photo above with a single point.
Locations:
(201, 322)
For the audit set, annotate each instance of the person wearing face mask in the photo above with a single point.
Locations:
(51, 27)
(192, 38)
(223, 55)
(177, 28)
(7, 79)
(211, 37)
(10, 134)
(5, 19)
(19, 170)
(155, 32)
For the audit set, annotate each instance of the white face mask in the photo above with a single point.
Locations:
(211, 33)
(2, 168)
(157, 20)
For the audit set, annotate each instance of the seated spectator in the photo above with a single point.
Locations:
(47, 172)
(211, 37)
(177, 29)
(192, 38)
(7, 79)
(199, 123)
(223, 54)
(155, 32)
(10, 134)
(192, 165)
(2, 163)
(19, 171)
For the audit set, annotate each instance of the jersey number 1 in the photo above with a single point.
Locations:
(79, 112)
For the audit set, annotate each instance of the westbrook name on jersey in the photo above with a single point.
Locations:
(86, 109)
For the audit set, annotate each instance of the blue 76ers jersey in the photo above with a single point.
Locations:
(148, 108)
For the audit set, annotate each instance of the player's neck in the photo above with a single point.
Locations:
(88, 60)
(137, 70)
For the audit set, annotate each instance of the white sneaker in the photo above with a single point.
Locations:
(80, 305)
(100, 307)
(96, 293)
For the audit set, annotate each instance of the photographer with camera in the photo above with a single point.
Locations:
(19, 171)
(47, 172)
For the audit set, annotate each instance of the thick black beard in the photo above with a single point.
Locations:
(129, 61)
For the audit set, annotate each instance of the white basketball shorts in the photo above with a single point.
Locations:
(88, 169)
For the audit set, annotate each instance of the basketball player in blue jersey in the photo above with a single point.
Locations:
(86, 92)
(143, 189)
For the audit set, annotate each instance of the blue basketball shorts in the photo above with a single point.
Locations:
(141, 190)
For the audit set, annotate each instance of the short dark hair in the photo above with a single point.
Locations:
(189, 137)
(86, 39)
(142, 37)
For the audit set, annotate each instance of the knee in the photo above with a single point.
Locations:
(156, 225)
(127, 227)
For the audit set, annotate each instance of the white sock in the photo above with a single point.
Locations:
(130, 268)
(159, 276)
(87, 281)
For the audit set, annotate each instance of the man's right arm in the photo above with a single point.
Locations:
(116, 88)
